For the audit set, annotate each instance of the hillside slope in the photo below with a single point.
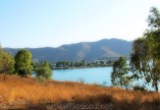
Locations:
(81, 51)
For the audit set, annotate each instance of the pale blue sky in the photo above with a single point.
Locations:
(51, 23)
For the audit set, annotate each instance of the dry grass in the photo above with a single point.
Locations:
(34, 92)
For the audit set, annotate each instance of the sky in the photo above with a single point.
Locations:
(51, 23)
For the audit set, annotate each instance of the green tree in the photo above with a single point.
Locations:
(6, 62)
(154, 19)
(145, 57)
(43, 71)
(119, 75)
(23, 63)
(139, 55)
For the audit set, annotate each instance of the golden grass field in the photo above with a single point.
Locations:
(35, 92)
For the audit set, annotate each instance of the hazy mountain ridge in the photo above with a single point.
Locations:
(80, 51)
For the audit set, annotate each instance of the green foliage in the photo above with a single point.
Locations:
(145, 57)
(62, 64)
(139, 55)
(154, 18)
(6, 62)
(43, 71)
(119, 74)
(23, 63)
(82, 63)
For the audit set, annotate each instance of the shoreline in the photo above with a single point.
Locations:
(61, 68)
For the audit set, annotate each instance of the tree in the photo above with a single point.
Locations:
(119, 74)
(23, 63)
(154, 19)
(145, 57)
(6, 62)
(139, 55)
(43, 71)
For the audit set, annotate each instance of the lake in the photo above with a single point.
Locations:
(96, 75)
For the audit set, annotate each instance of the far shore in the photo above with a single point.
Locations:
(60, 68)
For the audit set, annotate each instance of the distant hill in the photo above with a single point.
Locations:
(80, 51)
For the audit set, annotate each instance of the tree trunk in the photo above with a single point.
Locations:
(156, 86)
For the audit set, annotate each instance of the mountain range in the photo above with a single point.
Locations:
(87, 51)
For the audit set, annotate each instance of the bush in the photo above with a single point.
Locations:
(43, 71)
(23, 71)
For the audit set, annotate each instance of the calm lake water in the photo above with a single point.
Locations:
(97, 75)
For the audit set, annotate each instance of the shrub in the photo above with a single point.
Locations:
(43, 71)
